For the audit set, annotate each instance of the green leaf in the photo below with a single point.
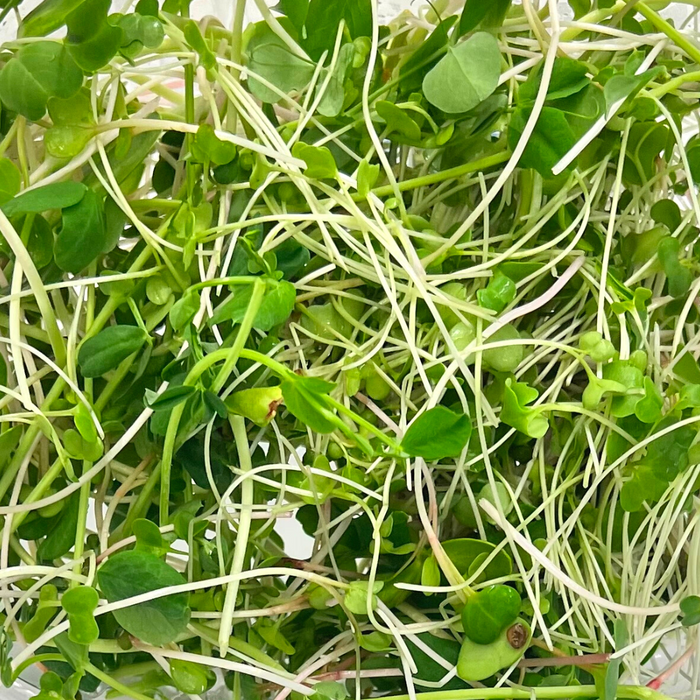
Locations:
(466, 76)
(191, 678)
(170, 398)
(59, 195)
(214, 405)
(196, 41)
(295, 10)
(631, 377)
(596, 347)
(668, 213)
(679, 277)
(648, 408)
(62, 537)
(612, 673)
(184, 310)
(398, 120)
(83, 235)
(47, 607)
(690, 607)
(159, 621)
(92, 40)
(209, 148)
(332, 690)
(331, 104)
(498, 294)
(149, 538)
(517, 414)
(437, 434)
(624, 86)
(321, 33)
(78, 447)
(319, 160)
(430, 573)
(425, 56)
(465, 553)
(568, 78)
(269, 631)
(276, 307)
(48, 16)
(67, 141)
(75, 654)
(139, 31)
(271, 59)
(109, 348)
(550, 141)
(488, 612)
(367, 176)
(505, 358)
(80, 603)
(37, 72)
(645, 143)
(484, 13)
(10, 180)
(357, 595)
(303, 397)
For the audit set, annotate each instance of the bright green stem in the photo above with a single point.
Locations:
(231, 356)
(113, 683)
(246, 327)
(626, 692)
(244, 520)
(670, 31)
(443, 175)
(675, 83)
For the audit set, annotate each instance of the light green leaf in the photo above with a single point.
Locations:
(466, 76)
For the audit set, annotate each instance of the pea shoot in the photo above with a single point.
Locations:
(344, 355)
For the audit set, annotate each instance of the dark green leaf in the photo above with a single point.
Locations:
(170, 398)
(485, 13)
(679, 277)
(296, 10)
(667, 212)
(690, 607)
(83, 235)
(568, 78)
(92, 40)
(105, 351)
(184, 310)
(158, 621)
(276, 307)
(488, 612)
(321, 33)
(465, 76)
(612, 673)
(465, 552)
(550, 141)
(437, 434)
(10, 180)
(59, 195)
(62, 538)
(303, 397)
(37, 72)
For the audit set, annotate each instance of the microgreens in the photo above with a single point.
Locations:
(424, 289)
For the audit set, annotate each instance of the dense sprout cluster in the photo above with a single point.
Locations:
(426, 290)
